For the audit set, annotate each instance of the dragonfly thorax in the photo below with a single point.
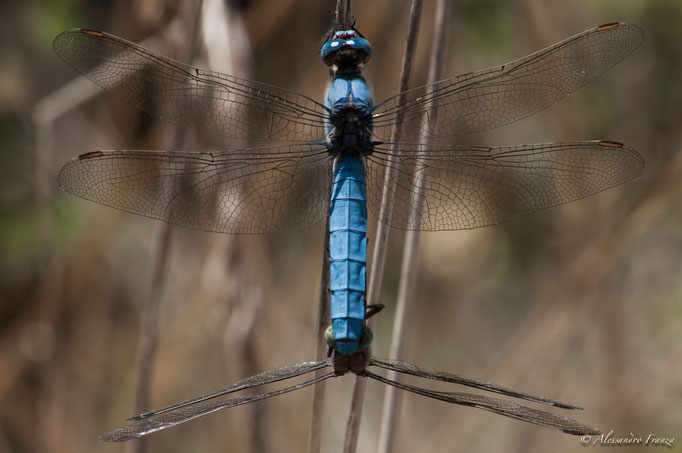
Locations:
(348, 97)
(351, 130)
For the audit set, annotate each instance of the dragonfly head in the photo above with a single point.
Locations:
(346, 48)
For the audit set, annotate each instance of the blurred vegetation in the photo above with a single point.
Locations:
(580, 303)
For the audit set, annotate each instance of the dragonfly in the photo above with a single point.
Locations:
(335, 161)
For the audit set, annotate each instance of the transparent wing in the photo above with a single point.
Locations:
(450, 187)
(267, 377)
(216, 103)
(501, 95)
(408, 368)
(498, 406)
(184, 413)
(242, 191)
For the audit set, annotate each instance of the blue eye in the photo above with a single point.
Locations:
(331, 46)
(360, 44)
(363, 47)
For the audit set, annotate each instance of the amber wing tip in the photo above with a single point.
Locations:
(610, 144)
(87, 31)
(91, 154)
(608, 26)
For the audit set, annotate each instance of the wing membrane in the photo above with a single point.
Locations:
(184, 414)
(501, 95)
(498, 406)
(450, 187)
(216, 103)
(248, 191)
(408, 368)
(266, 377)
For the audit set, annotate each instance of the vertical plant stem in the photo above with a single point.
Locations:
(51, 273)
(408, 273)
(50, 291)
(323, 318)
(149, 325)
(381, 237)
(45, 113)
(344, 17)
(344, 13)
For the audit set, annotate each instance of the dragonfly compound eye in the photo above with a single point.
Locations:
(346, 49)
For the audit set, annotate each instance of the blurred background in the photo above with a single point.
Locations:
(581, 303)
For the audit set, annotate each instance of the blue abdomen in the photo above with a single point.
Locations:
(348, 252)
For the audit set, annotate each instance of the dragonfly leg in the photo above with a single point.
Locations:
(373, 309)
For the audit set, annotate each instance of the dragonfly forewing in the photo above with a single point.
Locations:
(503, 94)
(210, 101)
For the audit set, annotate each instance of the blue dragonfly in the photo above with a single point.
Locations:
(337, 154)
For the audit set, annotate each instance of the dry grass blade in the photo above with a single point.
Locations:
(381, 236)
(315, 440)
(408, 273)
(149, 328)
(344, 13)
(344, 17)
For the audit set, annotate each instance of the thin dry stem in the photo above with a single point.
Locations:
(344, 13)
(45, 113)
(408, 273)
(323, 318)
(149, 325)
(344, 17)
(381, 237)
